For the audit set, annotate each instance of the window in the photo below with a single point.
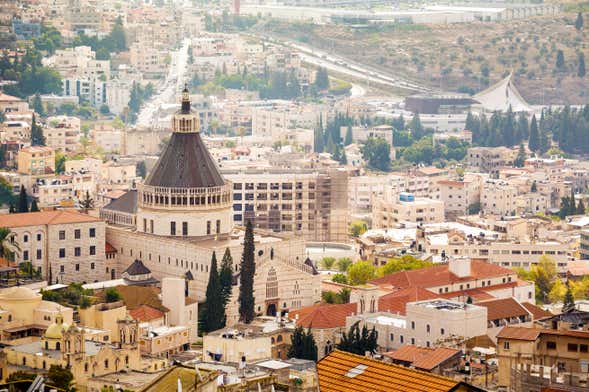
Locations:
(39, 254)
(412, 340)
(25, 238)
(172, 228)
(62, 268)
(25, 255)
(77, 267)
(77, 251)
(208, 227)
(427, 328)
(92, 250)
(402, 338)
(442, 331)
(218, 228)
(77, 234)
(505, 345)
(92, 232)
(184, 228)
(392, 337)
(38, 237)
(413, 325)
(106, 363)
(92, 265)
(61, 253)
(62, 235)
(583, 348)
(572, 347)
(551, 345)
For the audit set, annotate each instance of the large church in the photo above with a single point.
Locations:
(182, 213)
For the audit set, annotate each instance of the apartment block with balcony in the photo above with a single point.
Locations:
(62, 133)
(36, 160)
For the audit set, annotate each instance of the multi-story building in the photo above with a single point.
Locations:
(62, 133)
(534, 359)
(406, 208)
(312, 204)
(490, 159)
(62, 246)
(8, 104)
(498, 197)
(360, 134)
(460, 197)
(15, 131)
(36, 160)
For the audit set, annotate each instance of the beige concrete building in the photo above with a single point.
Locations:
(460, 197)
(498, 197)
(9, 104)
(63, 246)
(62, 133)
(36, 160)
(389, 211)
(309, 203)
(490, 159)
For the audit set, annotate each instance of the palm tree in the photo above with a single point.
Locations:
(4, 241)
(87, 203)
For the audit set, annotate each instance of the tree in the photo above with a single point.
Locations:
(87, 203)
(4, 250)
(377, 152)
(215, 308)
(579, 22)
(226, 276)
(302, 345)
(560, 60)
(117, 36)
(112, 295)
(104, 109)
(37, 138)
(321, 79)
(581, 208)
(339, 278)
(545, 276)
(23, 203)
(403, 263)
(344, 263)
(568, 301)
(318, 136)
(581, 68)
(359, 342)
(349, 136)
(60, 377)
(34, 206)
(557, 292)
(38, 105)
(357, 228)
(327, 262)
(141, 169)
(534, 187)
(416, 128)
(521, 156)
(361, 272)
(534, 141)
(246, 278)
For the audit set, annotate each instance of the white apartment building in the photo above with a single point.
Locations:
(108, 138)
(118, 93)
(149, 60)
(62, 133)
(360, 134)
(459, 196)
(271, 122)
(392, 211)
(15, 131)
(498, 197)
(65, 189)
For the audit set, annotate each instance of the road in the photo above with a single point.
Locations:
(173, 83)
(346, 66)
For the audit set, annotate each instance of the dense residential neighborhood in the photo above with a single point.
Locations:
(309, 195)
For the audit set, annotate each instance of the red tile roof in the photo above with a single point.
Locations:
(440, 275)
(146, 313)
(523, 333)
(345, 372)
(44, 218)
(503, 308)
(324, 315)
(396, 302)
(537, 312)
(425, 358)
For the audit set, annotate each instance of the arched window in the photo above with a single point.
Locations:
(279, 338)
(58, 346)
(86, 367)
(106, 363)
(272, 284)
(427, 328)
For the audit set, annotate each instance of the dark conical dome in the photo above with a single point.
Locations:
(185, 163)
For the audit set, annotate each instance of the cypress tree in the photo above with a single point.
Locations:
(581, 70)
(37, 138)
(349, 137)
(23, 204)
(572, 203)
(318, 136)
(38, 105)
(534, 142)
(247, 272)
(303, 345)
(560, 60)
(579, 22)
(34, 207)
(569, 300)
(226, 276)
(11, 209)
(581, 208)
(534, 187)
(215, 309)
(521, 156)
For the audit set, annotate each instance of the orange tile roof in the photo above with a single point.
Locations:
(324, 315)
(425, 358)
(440, 275)
(146, 313)
(56, 217)
(536, 311)
(344, 372)
(396, 302)
(503, 308)
(9, 98)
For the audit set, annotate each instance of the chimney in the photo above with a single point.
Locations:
(459, 266)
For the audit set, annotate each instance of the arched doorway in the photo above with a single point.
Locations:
(271, 309)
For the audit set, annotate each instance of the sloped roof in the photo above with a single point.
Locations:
(137, 268)
(146, 313)
(9, 98)
(396, 302)
(425, 358)
(344, 372)
(503, 308)
(185, 163)
(536, 311)
(126, 203)
(523, 333)
(136, 296)
(57, 217)
(324, 315)
(502, 95)
(440, 275)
